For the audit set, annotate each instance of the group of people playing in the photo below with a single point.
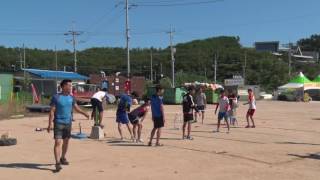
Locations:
(62, 106)
(126, 117)
(227, 106)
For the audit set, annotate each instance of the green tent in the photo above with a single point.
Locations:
(301, 79)
(317, 79)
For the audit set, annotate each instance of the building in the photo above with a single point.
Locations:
(46, 82)
(117, 83)
(268, 46)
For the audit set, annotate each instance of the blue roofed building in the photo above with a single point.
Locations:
(49, 74)
(46, 82)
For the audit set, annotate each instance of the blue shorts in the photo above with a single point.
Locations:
(122, 118)
(222, 115)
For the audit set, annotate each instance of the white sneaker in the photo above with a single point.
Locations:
(140, 141)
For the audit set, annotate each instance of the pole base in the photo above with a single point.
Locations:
(97, 133)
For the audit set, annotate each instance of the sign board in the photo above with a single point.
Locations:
(234, 82)
(237, 77)
(242, 92)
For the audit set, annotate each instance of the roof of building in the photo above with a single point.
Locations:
(49, 74)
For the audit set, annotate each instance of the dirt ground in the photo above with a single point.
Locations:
(285, 145)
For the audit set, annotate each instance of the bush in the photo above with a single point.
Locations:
(165, 82)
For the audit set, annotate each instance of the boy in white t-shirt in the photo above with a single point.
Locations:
(252, 108)
(223, 109)
(96, 102)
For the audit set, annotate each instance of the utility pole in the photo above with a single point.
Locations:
(24, 66)
(245, 67)
(289, 54)
(215, 68)
(21, 61)
(56, 63)
(56, 58)
(205, 73)
(24, 56)
(151, 66)
(74, 42)
(171, 32)
(128, 39)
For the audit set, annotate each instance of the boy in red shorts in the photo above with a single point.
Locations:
(252, 108)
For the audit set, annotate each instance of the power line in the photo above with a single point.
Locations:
(92, 26)
(109, 22)
(161, 1)
(168, 4)
(30, 34)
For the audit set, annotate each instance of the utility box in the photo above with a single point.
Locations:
(6, 87)
(212, 96)
(171, 95)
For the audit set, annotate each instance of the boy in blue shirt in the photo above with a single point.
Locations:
(122, 114)
(157, 115)
(60, 115)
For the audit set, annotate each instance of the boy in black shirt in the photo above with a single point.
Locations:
(188, 105)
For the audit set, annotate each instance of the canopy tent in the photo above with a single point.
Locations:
(291, 86)
(300, 79)
(317, 79)
(298, 87)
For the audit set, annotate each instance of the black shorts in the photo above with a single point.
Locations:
(158, 122)
(133, 119)
(187, 117)
(200, 108)
(96, 104)
(62, 131)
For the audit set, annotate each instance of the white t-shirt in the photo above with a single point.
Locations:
(99, 95)
(223, 104)
(252, 102)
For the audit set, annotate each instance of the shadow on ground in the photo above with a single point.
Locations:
(308, 156)
(298, 143)
(130, 145)
(27, 166)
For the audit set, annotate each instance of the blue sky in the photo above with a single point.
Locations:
(41, 23)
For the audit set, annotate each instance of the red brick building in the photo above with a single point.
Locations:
(117, 84)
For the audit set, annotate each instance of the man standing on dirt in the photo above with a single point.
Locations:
(62, 105)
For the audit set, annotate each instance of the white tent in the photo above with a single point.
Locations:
(291, 86)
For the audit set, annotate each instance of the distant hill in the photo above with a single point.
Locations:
(194, 59)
